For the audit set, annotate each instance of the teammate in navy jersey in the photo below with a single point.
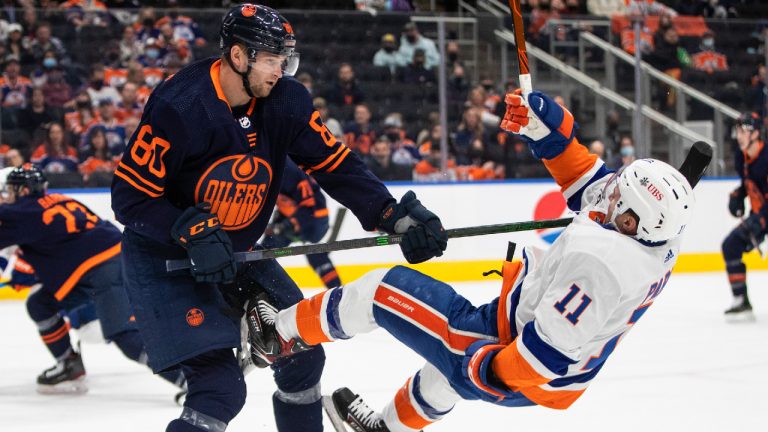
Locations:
(199, 179)
(302, 215)
(75, 255)
(751, 163)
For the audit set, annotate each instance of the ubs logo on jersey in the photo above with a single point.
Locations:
(236, 187)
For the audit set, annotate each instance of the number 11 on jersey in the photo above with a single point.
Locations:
(562, 305)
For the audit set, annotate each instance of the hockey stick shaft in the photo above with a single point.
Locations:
(367, 242)
(522, 55)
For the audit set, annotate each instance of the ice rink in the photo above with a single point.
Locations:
(681, 369)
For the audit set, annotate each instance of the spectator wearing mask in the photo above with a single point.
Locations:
(83, 116)
(626, 153)
(404, 151)
(55, 155)
(707, 59)
(154, 55)
(345, 91)
(97, 88)
(45, 42)
(379, 161)
(415, 72)
(670, 57)
(359, 134)
(412, 40)
(113, 129)
(333, 125)
(37, 113)
(56, 89)
(387, 55)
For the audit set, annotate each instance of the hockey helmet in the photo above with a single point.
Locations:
(659, 195)
(750, 121)
(260, 28)
(29, 176)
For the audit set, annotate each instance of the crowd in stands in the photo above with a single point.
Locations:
(72, 109)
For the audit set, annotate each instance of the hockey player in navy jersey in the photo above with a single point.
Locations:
(751, 163)
(76, 257)
(301, 216)
(199, 180)
(560, 314)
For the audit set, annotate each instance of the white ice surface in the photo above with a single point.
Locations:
(682, 369)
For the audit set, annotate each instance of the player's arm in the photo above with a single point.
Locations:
(21, 225)
(549, 129)
(346, 178)
(581, 298)
(151, 160)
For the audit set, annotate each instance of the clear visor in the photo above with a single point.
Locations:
(288, 64)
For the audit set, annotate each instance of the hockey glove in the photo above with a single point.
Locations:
(544, 124)
(755, 223)
(208, 246)
(736, 202)
(476, 368)
(423, 234)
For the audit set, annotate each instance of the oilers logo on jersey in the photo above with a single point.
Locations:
(236, 187)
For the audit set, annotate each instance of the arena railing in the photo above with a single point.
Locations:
(609, 95)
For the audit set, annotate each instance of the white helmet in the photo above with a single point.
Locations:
(659, 195)
(4, 178)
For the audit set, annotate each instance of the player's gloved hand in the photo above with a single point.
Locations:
(755, 223)
(544, 124)
(208, 246)
(476, 368)
(736, 202)
(286, 227)
(424, 236)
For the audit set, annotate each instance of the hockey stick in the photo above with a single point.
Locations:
(522, 56)
(385, 240)
(694, 166)
(337, 221)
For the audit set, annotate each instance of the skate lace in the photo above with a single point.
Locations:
(267, 312)
(364, 414)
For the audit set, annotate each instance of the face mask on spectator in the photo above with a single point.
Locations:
(97, 84)
(411, 38)
(148, 22)
(389, 48)
(708, 43)
(453, 56)
(393, 136)
(49, 62)
(153, 53)
(82, 104)
(627, 151)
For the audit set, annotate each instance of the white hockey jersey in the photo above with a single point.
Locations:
(579, 298)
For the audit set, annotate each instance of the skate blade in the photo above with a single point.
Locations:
(74, 387)
(740, 317)
(333, 415)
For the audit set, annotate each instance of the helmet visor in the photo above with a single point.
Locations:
(291, 64)
(269, 62)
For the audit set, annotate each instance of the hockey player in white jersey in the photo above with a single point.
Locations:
(561, 312)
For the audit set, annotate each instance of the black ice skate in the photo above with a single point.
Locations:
(740, 310)
(347, 408)
(66, 377)
(266, 344)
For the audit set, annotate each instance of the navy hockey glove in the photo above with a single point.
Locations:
(755, 223)
(736, 202)
(544, 124)
(423, 234)
(208, 246)
(476, 368)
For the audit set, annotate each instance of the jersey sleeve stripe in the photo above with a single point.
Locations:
(341, 159)
(148, 183)
(539, 353)
(83, 268)
(135, 185)
(570, 165)
(511, 366)
(328, 160)
(321, 213)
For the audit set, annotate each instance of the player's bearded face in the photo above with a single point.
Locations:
(266, 70)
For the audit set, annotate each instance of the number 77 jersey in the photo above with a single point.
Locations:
(59, 237)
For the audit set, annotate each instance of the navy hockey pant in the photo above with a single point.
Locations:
(734, 246)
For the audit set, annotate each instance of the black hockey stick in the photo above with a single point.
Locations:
(340, 213)
(693, 167)
(384, 240)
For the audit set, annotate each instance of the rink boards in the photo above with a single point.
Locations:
(469, 204)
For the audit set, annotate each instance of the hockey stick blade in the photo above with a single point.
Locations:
(697, 162)
(366, 242)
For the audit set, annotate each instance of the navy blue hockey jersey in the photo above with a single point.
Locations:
(190, 147)
(754, 177)
(300, 197)
(60, 238)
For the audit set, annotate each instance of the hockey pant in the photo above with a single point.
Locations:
(735, 245)
(423, 313)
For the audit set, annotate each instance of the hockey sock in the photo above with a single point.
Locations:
(291, 417)
(55, 334)
(737, 276)
(324, 268)
(424, 399)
